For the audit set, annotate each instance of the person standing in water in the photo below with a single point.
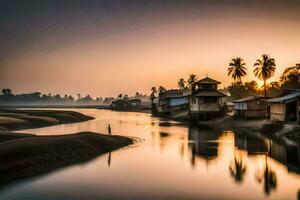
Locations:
(109, 129)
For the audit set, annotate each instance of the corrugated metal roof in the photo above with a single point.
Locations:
(250, 98)
(284, 98)
(209, 93)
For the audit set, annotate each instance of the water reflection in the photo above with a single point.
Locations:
(109, 159)
(173, 161)
(237, 169)
(203, 143)
(268, 177)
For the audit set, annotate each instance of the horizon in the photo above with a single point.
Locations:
(104, 48)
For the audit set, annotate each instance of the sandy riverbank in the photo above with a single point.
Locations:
(12, 119)
(26, 155)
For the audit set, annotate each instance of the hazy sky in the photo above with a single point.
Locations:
(107, 47)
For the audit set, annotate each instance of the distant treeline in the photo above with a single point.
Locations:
(7, 97)
(37, 98)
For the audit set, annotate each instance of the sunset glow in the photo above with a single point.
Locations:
(157, 44)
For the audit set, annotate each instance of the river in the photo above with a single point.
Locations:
(170, 161)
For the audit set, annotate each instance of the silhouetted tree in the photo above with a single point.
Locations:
(265, 69)
(290, 78)
(237, 69)
(125, 97)
(181, 84)
(192, 81)
(161, 89)
(252, 87)
(6, 91)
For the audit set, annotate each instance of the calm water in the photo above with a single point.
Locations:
(172, 162)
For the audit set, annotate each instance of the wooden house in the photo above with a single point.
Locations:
(285, 108)
(206, 101)
(173, 102)
(251, 107)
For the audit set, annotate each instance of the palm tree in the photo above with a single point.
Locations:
(237, 69)
(181, 84)
(161, 89)
(153, 91)
(265, 69)
(192, 81)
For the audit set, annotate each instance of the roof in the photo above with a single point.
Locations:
(250, 98)
(285, 98)
(176, 93)
(208, 93)
(228, 103)
(208, 80)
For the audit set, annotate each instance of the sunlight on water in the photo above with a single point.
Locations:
(171, 162)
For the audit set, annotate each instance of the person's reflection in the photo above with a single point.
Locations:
(109, 159)
(237, 169)
(269, 177)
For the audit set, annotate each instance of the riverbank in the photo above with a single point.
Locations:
(285, 133)
(27, 155)
(14, 119)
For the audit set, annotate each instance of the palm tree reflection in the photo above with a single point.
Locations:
(237, 169)
(269, 177)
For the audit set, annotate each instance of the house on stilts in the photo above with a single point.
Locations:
(205, 102)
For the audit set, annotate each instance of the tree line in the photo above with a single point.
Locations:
(263, 68)
(37, 98)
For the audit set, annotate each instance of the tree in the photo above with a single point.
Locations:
(126, 97)
(120, 96)
(290, 78)
(252, 87)
(161, 89)
(238, 91)
(6, 91)
(192, 81)
(264, 69)
(237, 69)
(181, 84)
(153, 90)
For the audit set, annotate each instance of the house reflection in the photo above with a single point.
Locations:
(203, 144)
(253, 144)
(287, 154)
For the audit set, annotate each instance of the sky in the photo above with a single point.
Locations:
(107, 47)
